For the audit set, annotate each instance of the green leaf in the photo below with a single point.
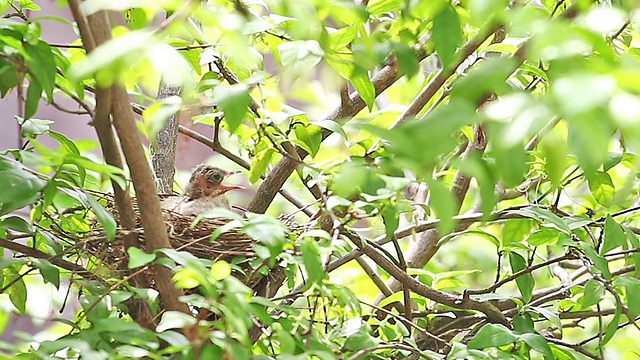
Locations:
(554, 149)
(34, 93)
(379, 7)
(539, 344)
(234, 101)
(310, 135)
(600, 263)
(266, 229)
(220, 270)
(593, 293)
(312, 261)
(391, 220)
(492, 335)
(549, 315)
(42, 64)
(446, 34)
(407, 60)
(544, 236)
(50, 274)
(34, 127)
(525, 282)
(66, 143)
(515, 230)
(540, 214)
(175, 320)
(613, 235)
(361, 81)
(601, 187)
(444, 205)
(104, 216)
(332, 126)
(17, 291)
(16, 223)
(632, 296)
(260, 164)
(138, 258)
(611, 329)
(301, 55)
(21, 187)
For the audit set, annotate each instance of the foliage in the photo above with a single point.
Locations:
(473, 165)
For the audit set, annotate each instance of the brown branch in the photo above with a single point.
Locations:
(456, 301)
(54, 259)
(163, 146)
(97, 31)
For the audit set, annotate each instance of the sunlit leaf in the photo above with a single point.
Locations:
(446, 34)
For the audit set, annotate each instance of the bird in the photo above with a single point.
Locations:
(205, 191)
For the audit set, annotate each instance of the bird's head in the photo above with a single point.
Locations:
(206, 181)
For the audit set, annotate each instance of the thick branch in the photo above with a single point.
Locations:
(98, 32)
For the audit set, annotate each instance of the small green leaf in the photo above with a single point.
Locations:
(175, 320)
(538, 343)
(492, 335)
(312, 261)
(554, 148)
(407, 61)
(613, 235)
(540, 214)
(444, 205)
(632, 296)
(361, 81)
(220, 270)
(544, 236)
(105, 217)
(599, 262)
(601, 187)
(234, 101)
(525, 282)
(301, 55)
(17, 291)
(612, 328)
(34, 127)
(50, 274)
(310, 135)
(42, 63)
(21, 187)
(446, 34)
(260, 164)
(391, 220)
(549, 315)
(138, 257)
(34, 93)
(593, 293)
(331, 125)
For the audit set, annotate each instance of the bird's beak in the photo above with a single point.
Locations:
(233, 172)
(226, 188)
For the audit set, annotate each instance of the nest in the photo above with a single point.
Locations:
(185, 234)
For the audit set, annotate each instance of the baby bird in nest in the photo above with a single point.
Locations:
(205, 191)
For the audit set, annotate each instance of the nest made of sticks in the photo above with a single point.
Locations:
(185, 234)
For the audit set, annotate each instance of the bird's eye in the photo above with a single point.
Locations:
(216, 176)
